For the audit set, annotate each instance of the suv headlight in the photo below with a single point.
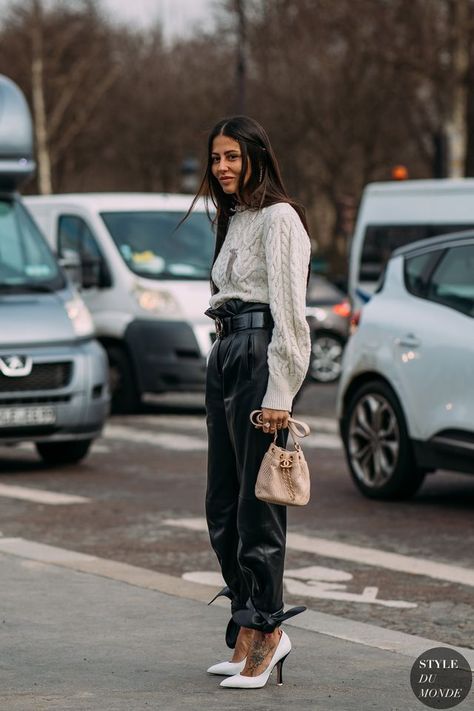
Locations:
(156, 301)
(79, 316)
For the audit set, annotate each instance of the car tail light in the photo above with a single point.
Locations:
(355, 319)
(342, 309)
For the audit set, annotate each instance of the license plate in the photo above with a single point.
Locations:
(26, 416)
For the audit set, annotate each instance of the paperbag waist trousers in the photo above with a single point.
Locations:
(247, 535)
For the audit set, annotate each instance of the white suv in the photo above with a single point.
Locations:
(406, 394)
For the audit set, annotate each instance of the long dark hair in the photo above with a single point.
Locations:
(264, 187)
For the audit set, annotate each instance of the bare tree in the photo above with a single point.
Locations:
(71, 71)
(39, 109)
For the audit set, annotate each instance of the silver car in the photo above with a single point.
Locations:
(328, 315)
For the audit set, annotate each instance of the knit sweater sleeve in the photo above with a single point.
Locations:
(287, 254)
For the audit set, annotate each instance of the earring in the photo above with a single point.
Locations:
(260, 177)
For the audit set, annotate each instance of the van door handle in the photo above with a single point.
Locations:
(408, 341)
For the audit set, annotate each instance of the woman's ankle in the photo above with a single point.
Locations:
(243, 644)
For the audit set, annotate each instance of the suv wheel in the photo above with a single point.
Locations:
(326, 356)
(378, 449)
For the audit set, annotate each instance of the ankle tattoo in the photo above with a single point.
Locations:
(258, 652)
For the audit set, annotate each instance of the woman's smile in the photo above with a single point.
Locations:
(226, 161)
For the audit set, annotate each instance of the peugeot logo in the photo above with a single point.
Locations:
(16, 366)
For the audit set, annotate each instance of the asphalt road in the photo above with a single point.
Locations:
(144, 486)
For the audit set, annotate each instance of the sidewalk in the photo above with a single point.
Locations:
(81, 641)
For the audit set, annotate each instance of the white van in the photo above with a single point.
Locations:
(146, 284)
(394, 214)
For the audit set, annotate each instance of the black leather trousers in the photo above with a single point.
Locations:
(247, 535)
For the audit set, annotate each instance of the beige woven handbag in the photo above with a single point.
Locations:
(283, 477)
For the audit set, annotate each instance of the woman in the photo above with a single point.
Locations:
(259, 361)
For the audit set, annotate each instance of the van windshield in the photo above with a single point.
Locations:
(150, 246)
(26, 262)
(381, 240)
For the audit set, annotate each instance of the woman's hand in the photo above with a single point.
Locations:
(274, 419)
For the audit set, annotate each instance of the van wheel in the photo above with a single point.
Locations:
(377, 446)
(63, 452)
(123, 389)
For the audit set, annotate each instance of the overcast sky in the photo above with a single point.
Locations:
(178, 17)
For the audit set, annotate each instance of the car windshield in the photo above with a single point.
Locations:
(26, 262)
(152, 247)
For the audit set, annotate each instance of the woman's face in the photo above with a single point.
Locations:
(226, 163)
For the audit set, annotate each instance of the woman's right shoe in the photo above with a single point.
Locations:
(227, 668)
(256, 682)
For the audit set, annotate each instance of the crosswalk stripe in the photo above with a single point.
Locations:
(328, 425)
(165, 440)
(198, 442)
(40, 496)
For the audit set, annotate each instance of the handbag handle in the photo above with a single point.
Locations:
(297, 428)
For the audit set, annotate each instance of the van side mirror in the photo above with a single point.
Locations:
(94, 272)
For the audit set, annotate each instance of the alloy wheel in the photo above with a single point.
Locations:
(374, 440)
(326, 357)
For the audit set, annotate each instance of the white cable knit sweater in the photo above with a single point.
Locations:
(265, 258)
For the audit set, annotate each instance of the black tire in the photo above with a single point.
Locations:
(326, 357)
(377, 446)
(123, 389)
(63, 452)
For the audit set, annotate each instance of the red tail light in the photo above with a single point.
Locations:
(355, 318)
(342, 309)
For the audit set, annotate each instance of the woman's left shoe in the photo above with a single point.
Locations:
(256, 682)
(227, 668)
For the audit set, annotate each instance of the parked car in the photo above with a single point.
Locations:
(395, 214)
(145, 282)
(53, 374)
(327, 312)
(405, 400)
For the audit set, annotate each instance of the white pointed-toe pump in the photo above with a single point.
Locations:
(256, 682)
(227, 668)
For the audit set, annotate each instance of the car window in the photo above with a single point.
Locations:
(381, 240)
(25, 259)
(452, 282)
(417, 271)
(74, 235)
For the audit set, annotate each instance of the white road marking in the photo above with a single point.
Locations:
(358, 554)
(184, 422)
(322, 623)
(320, 424)
(40, 496)
(321, 441)
(100, 449)
(198, 440)
(328, 425)
(165, 440)
(310, 584)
